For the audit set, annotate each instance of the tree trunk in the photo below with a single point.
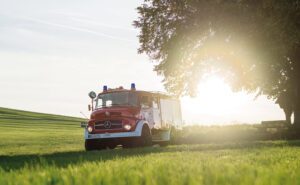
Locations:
(297, 115)
(297, 118)
(288, 115)
(297, 107)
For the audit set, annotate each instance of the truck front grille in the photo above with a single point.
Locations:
(108, 124)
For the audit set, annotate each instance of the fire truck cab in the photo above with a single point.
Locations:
(131, 118)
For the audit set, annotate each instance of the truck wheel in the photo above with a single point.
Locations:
(111, 146)
(175, 136)
(127, 145)
(146, 138)
(101, 146)
(164, 143)
(89, 145)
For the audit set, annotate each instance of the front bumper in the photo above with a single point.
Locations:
(111, 135)
(136, 133)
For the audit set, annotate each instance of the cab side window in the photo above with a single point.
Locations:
(155, 102)
(145, 102)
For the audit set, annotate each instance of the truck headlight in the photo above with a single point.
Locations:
(90, 129)
(127, 127)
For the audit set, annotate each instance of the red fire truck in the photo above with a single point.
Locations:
(131, 118)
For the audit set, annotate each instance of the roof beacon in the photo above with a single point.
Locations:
(104, 88)
(133, 86)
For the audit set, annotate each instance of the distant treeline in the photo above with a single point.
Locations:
(233, 133)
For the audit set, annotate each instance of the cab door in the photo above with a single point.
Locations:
(156, 112)
(146, 109)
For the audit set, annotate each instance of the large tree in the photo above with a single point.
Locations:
(253, 44)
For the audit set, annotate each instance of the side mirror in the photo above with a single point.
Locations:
(92, 95)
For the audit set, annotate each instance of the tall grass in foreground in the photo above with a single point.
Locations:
(248, 163)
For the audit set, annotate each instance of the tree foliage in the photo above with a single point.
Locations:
(253, 44)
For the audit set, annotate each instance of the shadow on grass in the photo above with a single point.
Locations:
(63, 159)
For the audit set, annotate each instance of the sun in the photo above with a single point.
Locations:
(215, 99)
(215, 96)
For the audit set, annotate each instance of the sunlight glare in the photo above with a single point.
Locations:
(214, 100)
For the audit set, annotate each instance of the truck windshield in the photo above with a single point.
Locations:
(117, 99)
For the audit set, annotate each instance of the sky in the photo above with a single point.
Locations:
(53, 52)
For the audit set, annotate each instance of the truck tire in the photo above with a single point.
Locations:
(111, 146)
(174, 138)
(171, 139)
(146, 137)
(144, 140)
(164, 143)
(91, 144)
(101, 146)
(128, 145)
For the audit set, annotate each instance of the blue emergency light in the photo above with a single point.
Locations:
(105, 88)
(132, 85)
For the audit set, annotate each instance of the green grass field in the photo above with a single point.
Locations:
(48, 149)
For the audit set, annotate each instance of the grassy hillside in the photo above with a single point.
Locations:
(48, 149)
(23, 132)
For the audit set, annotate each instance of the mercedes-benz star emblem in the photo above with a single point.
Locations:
(107, 113)
(107, 124)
